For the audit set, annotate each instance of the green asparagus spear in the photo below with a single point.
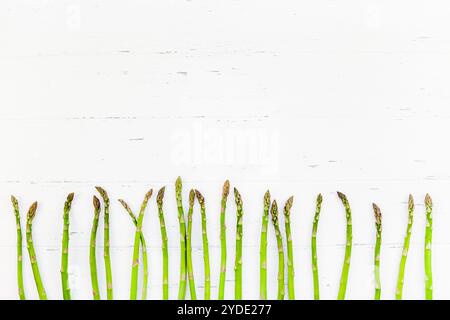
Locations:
(201, 201)
(32, 253)
(223, 240)
(65, 249)
(92, 249)
(290, 254)
(178, 192)
(274, 212)
(159, 201)
(190, 266)
(21, 289)
(137, 241)
(401, 272)
(263, 249)
(238, 260)
(315, 267)
(106, 244)
(141, 239)
(378, 226)
(427, 255)
(348, 248)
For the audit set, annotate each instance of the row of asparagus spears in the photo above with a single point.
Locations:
(186, 263)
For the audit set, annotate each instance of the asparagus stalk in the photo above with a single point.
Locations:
(315, 267)
(263, 249)
(201, 201)
(348, 248)
(65, 249)
(274, 212)
(106, 245)
(427, 255)
(190, 266)
(135, 221)
(378, 226)
(223, 240)
(92, 249)
(159, 201)
(182, 286)
(401, 272)
(290, 254)
(21, 289)
(238, 260)
(32, 253)
(138, 239)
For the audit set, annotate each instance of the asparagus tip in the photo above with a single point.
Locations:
(68, 203)
(267, 199)
(344, 199)
(237, 197)
(160, 196)
(274, 212)
(319, 198)
(288, 206)
(226, 189)
(102, 192)
(377, 212)
(411, 202)
(342, 196)
(32, 211)
(96, 203)
(14, 201)
(70, 197)
(428, 201)
(148, 195)
(191, 197)
(124, 204)
(178, 184)
(200, 197)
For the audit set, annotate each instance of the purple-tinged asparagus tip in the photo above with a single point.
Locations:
(32, 211)
(148, 195)
(124, 204)
(96, 203)
(377, 213)
(102, 192)
(226, 189)
(200, 198)
(160, 196)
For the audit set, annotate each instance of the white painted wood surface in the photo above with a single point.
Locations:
(300, 97)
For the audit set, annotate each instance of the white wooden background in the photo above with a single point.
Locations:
(299, 97)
